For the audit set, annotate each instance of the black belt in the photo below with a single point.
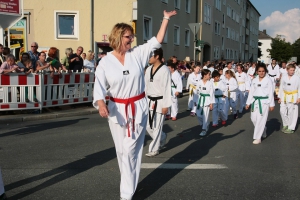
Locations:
(272, 75)
(154, 109)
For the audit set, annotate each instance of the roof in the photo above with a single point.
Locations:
(254, 7)
(263, 35)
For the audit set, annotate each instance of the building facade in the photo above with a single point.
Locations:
(266, 41)
(229, 30)
(73, 23)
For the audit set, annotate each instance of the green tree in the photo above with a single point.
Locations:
(280, 49)
(296, 49)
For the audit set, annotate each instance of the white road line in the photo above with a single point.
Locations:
(182, 166)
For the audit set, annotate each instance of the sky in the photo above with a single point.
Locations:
(279, 17)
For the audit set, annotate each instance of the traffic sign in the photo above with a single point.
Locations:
(195, 27)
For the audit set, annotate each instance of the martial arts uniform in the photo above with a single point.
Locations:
(289, 92)
(273, 72)
(232, 95)
(176, 86)
(251, 73)
(219, 105)
(222, 78)
(128, 108)
(261, 98)
(244, 85)
(158, 91)
(205, 96)
(192, 86)
(282, 71)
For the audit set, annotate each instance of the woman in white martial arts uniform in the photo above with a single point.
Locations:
(220, 100)
(289, 98)
(2, 191)
(123, 71)
(261, 99)
(158, 91)
(176, 88)
(192, 82)
(273, 72)
(232, 93)
(205, 99)
(244, 86)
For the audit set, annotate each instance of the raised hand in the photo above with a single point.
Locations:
(170, 13)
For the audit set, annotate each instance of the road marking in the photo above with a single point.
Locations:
(182, 166)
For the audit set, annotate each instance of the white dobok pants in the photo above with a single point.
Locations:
(203, 118)
(174, 107)
(218, 111)
(231, 102)
(156, 132)
(259, 120)
(243, 95)
(289, 114)
(129, 153)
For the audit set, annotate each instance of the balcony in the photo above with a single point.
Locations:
(247, 16)
(246, 47)
(247, 31)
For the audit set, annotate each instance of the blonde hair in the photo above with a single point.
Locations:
(89, 55)
(115, 37)
(68, 51)
(289, 66)
(230, 73)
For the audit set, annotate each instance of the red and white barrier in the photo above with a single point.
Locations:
(69, 88)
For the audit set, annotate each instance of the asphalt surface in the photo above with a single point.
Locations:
(74, 158)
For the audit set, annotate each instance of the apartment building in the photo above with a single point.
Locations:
(229, 30)
(73, 23)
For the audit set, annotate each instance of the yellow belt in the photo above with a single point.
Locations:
(290, 93)
(240, 83)
(192, 88)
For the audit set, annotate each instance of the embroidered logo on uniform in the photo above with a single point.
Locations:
(126, 72)
(258, 85)
(288, 84)
(227, 83)
(204, 88)
(151, 80)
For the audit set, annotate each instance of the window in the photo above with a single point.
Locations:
(222, 43)
(187, 37)
(224, 2)
(239, 2)
(66, 25)
(164, 1)
(231, 54)
(217, 28)
(216, 52)
(177, 4)
(223, 22)
(237, 18)
(187, 6)
(228, 32)
(176, 35)
(243, 23)
(233, 15)
(228, 11)
(207, 13)
(147, 28)
(218, 4)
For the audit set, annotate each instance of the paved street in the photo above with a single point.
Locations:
(74, 158)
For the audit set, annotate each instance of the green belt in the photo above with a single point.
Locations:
(203, 102)
(259, 103)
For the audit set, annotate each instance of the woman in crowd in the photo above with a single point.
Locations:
(89, 62)
(232, 95)
(24, 57)
(65, 60)
(123, 71)
(42, 65)
(54, 62)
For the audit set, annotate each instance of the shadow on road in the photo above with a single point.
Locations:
(62, 173)
(197, 150)
(273, 125)
(41, 126)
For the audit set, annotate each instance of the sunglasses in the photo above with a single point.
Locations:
(33, 46)
(129, 36)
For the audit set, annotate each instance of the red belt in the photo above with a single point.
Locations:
(127, 102)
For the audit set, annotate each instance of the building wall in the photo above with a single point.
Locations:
(266, 44)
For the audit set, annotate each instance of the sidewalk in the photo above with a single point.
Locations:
(49, 113)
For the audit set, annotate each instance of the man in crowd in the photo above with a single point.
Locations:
(76, 61)
(34, 54)
(100, 56)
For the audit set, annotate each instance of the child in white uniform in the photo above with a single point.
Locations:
(205, 100)
(220, 100)
(192, 83)
(261, 99)
(251, 71)
(232, 88)
(289, 98)
(244, 86)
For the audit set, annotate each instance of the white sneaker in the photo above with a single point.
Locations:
(256, 141)
(123, 198)
(203, 133)
(151, 154)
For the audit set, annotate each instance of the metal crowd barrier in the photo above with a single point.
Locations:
(43, 91)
